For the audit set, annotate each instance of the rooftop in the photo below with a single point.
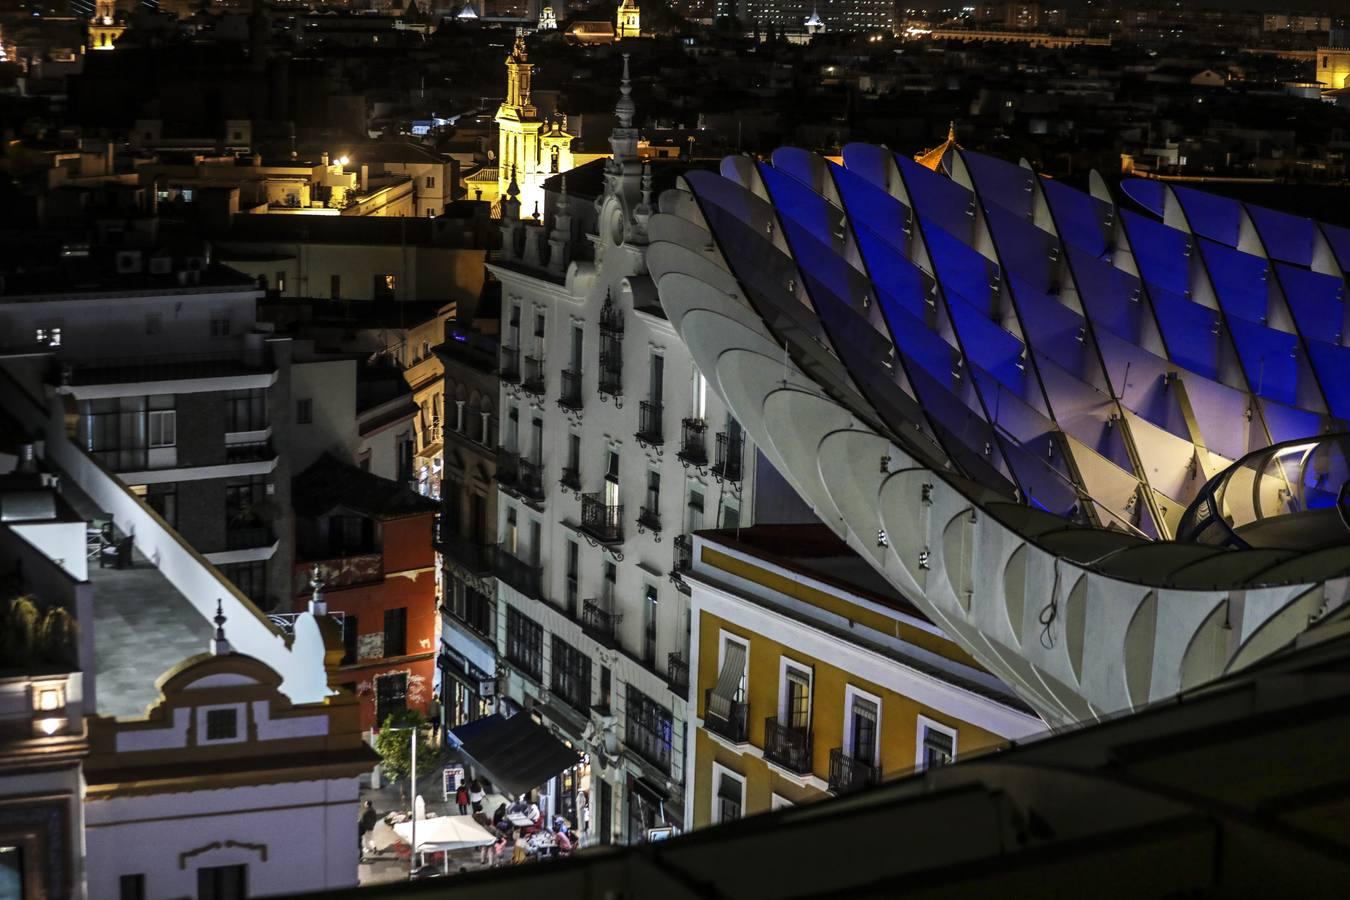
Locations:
(331, 483)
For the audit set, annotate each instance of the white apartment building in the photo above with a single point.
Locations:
(613, 452)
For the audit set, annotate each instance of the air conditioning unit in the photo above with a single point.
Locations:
(128, 262)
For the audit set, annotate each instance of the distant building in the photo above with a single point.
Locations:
(816, 679)
(628, 20)
(530, 148)
(841, 16)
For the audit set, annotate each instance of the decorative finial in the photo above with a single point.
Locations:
(535, 215)
(317, 604)
(951, 131)
(513, 189)
(219, 645)
(646, 182)
(625, 108)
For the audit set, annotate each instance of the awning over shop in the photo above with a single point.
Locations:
(517, 754)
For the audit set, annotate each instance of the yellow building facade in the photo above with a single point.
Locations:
(530, 149)
(808, 686)
(1333, 67)
(628, 21)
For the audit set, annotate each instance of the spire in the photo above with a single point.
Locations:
(951, 131)
(219, 645)
(317, 604)
(625, 109)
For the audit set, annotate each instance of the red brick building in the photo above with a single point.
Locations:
(368, 541)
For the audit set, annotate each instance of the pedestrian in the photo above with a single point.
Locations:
(476, 795)
(434, 714)
(462, 799)
(365, 837)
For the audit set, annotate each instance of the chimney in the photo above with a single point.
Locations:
(324, 159)
(365, 177)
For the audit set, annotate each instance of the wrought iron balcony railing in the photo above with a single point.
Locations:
(472, 555)
(677, 671)
(611, 374)
(849, 774)
(694, 442)
(611, 319)
(571, 479)
(253, 451)
(650, 415)
(510, 365)
(508, 468)
(525, 577)
(601, 521)
(731, 725)
(570, 395)
(533, 380)
(684, 553)
(530, 480)
(649, 517)
(787, 746)
(599, 621)
(728, 464)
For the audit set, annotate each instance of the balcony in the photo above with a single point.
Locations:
(529, 482)
(677, 672)
(248, 537)
(611, 374)
(848, 774)
(510, 365)
(599, 622)
(525, 577)
(683, 561)
(787, 747)
(650, 429)
(649, 519)
(693, 442)
(571, 479)
(533, 381)
(728, 465)
(733, 726)
(601, 521)
(253, 451)
(570, 395)
(473, 556)
(573, 591)
(508, 468)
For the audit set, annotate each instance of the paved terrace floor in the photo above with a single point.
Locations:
(142, 626)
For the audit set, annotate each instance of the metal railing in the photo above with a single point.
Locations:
(508, 468)
(677, 671)
(570, 395)
(728, 464)
(525, 577)
(649, 517)
(571, 479)
(510, 365)
(611, 374)
(733, 726)
(248, 537)
(693, 442)
(598, 621)
(603, 522)
(684, 552)
(611, 319)
(533, 380)
(530, 480)
(253, 451)
(849, 774)
(787, 746)
(474, 556)
(650, 416)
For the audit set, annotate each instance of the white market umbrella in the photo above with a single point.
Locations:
(445, 833)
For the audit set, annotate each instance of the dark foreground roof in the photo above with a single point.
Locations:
(330, 483)
(1236, 789)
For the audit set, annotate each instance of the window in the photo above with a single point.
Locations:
(650, 729)
(937, 744)
(335, 287)
(249, 577)
(473, 608)
(574, 453)
(163, 428)
(537, 441)
(386, 286)
(573, 573)
(304, 411)
(653, 504)
(700, 393)
(578, 345)
(396, 631)
(131, 887)
(695, 509)
(281, 281)
(244, 498)
(604, 687)
(220, 325)
(222, 724)
(50, 336)
(222, 882)
(163, 499)
(571, 675)
(391, 695)
(246, 410)
(657, 377)
(731, 514)
(728, 795)
(524, 643)
(862, 726)
(794, 705)
(512, 531)
(649, 626)
(350, 623)
(154, 323)
(431, 181)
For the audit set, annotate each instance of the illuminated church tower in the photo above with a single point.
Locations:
(628, 21)
(104, 29)
(529, 148)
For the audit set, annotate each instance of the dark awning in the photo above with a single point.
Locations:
(517, 754)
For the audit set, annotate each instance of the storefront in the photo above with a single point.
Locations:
(467, 692)
(574, 796)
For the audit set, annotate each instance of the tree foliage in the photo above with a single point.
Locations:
(395, 748)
